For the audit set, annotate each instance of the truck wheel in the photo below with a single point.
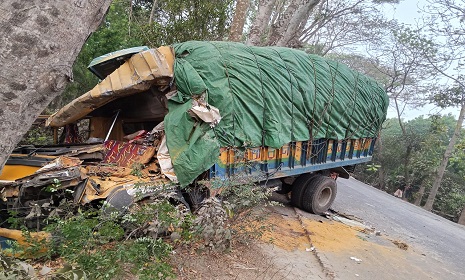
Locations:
(319, 196)
(299, 187)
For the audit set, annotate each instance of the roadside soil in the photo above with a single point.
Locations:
(271, 256)
(299, 245)
(253, 261)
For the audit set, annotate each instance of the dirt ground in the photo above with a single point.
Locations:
(299, 245)
(284, 251)
(271, 257)
(253, 261)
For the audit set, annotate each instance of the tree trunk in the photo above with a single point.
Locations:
(408, 154)
(290, 38)
(445, 159)
(152, 12)
(419, 196)
(462, 217)
(261, 22)
(40, 40)
(279, 28)
(408, 151)
(130, 18)
(381, 170)
(238, 22)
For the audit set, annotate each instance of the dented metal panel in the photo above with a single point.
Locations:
(104, 65)
(143, 70)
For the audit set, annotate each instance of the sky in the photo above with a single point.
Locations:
(408, 12)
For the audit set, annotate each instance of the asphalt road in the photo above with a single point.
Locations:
(435, 236)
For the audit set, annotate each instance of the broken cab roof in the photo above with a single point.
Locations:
(105, 64)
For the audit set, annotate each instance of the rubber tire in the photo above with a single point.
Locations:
(298, 188)
(320, 195)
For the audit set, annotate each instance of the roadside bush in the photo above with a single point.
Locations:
(100, 244)
(115, 246)
(236, 211)
(211, 224)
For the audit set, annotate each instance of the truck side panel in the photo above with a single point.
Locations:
(293, 158)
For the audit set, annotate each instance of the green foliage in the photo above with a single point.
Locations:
(394, 151)
(93, 241)
(15, 269)
(54, 186)
(33, 247)
(240, 192)
(158, 218)
(451, 196)
(179, 21)
(457, 160)
(96, 242)
(68, 272)
(373, 167)
(449, 97)
(240, 198)
(136, 169)
(427, 139)
(14, 220)
(414, 40)
(38, 135)
(212, 225)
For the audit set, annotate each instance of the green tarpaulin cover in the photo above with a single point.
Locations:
(267, 96)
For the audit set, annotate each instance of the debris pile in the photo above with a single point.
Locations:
(86, 173)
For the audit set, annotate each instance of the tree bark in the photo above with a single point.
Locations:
(39, 41)
(408, 151)
(280, 27)
(130, 18)
(237, 25)
(419, 196)
(152, 12)
(445, 159)
(261, 22)
(462, 217)
(408, 154)
(296, 24)
(381, 171)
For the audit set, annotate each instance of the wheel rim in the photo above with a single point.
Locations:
(324, 197)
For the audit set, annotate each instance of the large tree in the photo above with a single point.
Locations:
(404, 69)
(40, 40)
(446, 23)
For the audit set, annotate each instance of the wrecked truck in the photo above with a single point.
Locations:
(198, 116)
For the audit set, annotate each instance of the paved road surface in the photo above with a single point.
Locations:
(432, 235)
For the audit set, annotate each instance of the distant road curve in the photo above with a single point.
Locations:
(439, 237)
